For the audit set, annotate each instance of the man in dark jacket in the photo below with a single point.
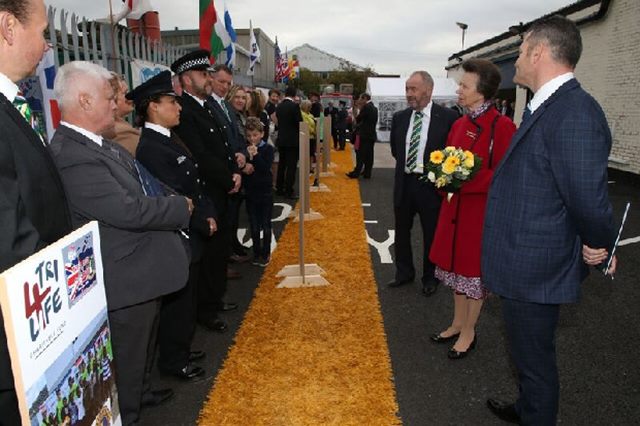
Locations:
(366, 122)
(33, 207)
(206, 138)
(289, 118)
(143, 255)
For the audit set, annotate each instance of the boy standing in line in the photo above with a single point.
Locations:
(259, 191)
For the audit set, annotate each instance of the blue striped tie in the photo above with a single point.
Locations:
(414, 141)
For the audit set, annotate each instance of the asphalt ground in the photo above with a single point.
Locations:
(598, 339)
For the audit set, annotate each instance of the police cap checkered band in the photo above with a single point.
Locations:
(197, 60)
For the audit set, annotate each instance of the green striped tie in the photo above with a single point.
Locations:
(20, 102)
(414, 142)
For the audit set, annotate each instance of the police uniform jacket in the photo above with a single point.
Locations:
(205, 138)
(173, 164)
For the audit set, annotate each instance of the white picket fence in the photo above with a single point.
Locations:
(114, 48)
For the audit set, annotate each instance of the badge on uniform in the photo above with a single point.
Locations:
(181, 159)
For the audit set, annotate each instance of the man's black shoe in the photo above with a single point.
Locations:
(228, 307)
(352, 175)
(189, 372)
(157, 397)
(196, 355)
(503, 410)
(398, 283)
(216, 325)
(430, 287)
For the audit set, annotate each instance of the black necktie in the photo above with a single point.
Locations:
(526, 114)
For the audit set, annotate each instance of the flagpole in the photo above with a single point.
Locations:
(113, 35)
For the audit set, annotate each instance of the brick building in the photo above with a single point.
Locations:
(608, 69)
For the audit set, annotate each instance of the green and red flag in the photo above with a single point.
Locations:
(211, 37)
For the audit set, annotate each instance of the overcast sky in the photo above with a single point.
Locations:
(391, 36)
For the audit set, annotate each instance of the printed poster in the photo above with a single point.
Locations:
(142, 71)
(55, 317)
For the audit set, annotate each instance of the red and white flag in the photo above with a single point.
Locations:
(133, 9)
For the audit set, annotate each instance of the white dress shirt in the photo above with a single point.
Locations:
(197, 99)
(426, 120)
(548, 89)
(95, 138)
(158, 128)
(8, 88)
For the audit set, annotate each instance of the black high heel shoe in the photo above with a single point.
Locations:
(453, 354)
(439, 339)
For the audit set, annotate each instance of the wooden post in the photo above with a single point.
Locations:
(302, 274)
(317, 186)
(326, 148)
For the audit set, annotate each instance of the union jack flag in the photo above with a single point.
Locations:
(281, 64)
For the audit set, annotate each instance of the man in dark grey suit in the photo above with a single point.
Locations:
(415, 133)
(143, 255)
(33, 207)
(547, 205)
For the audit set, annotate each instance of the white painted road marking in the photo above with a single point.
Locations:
(384, 247)
(627, 241)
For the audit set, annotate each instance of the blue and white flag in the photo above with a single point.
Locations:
(230, 48)
(254, 49)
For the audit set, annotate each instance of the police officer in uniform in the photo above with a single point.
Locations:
(205, 137)
(168, 159)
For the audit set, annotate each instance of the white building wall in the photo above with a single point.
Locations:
(610, 70)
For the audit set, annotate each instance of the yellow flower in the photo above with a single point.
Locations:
(449, 165)
(436, 157)
(468, 159)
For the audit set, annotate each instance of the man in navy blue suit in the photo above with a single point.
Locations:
(548, 213)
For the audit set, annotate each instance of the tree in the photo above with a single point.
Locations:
(310, 81)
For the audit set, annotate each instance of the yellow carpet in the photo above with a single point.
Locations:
(312, 356)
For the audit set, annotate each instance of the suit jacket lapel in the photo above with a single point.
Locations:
(21, 122)
(108, 149)
(401, 149)
(528, 124)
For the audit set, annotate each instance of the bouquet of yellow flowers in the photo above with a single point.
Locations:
(449, 168)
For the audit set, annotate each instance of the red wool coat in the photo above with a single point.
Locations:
(458, 237)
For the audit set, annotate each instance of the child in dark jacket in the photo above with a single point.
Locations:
(258, 190)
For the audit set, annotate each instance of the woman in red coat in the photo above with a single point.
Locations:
(456, 245)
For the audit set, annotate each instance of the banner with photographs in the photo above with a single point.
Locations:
(55, 317)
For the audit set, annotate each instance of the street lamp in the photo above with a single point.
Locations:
(463, 27)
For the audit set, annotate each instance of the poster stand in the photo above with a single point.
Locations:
(317, 185)
(303, 275)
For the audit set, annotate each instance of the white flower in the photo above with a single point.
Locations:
(431, 176)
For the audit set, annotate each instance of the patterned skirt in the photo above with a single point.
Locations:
(470, 286)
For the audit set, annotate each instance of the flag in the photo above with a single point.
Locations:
(213, 35)
(133, 9)
(46, 72)
(231, 48)
(286, 68)
(294, 68)
(278, 62)
(253, 49)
